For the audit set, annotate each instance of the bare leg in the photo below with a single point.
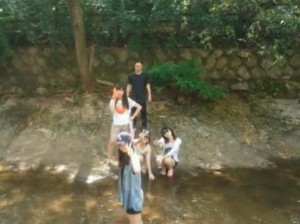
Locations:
(163, 170)
(135, 219)
(170, 172)
(170, 164)
(110, 147)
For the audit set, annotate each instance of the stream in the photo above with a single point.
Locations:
(227, 196)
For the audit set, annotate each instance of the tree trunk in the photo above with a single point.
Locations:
(80, 46)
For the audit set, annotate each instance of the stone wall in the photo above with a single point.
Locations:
(44, 70)
(248, 71)
(232, 69)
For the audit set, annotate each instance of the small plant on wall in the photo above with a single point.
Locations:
(184, 78)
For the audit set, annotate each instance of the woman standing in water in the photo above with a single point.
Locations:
(169, 158)
(131, 195)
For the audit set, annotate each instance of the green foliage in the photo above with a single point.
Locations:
(271, 26)
(29, 22)
(185, 77)
(274, 28)
(272, 87)
(5, 48)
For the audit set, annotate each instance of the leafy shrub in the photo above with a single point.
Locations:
(272, 87)
(185, 77)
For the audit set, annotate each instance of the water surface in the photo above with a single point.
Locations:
(231, 196)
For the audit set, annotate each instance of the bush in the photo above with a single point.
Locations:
(184, 77)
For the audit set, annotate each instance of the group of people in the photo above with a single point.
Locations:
(137, 151)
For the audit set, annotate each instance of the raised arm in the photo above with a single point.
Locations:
(112, 105)
(137, 111)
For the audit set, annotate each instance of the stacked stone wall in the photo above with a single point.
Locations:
(46, 70)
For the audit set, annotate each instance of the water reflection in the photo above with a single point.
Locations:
(193, 196)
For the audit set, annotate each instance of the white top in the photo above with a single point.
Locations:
(175, 147)
(121, 119)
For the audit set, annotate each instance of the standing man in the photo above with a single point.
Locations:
(139, 88)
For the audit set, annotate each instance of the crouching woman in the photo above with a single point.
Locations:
(170, 145)
(130, 190)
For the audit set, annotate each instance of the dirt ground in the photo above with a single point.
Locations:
(70, 132)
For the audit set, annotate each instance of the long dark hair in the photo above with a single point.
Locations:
(124, 159)
(163, 132)
(121, 86)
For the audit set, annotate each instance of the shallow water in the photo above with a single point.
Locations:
(269, 196)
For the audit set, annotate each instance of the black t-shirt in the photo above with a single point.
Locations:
(139, 90)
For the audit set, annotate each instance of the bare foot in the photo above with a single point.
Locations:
(144, 170)
(170, 172)
(163, 172)
(151, 176)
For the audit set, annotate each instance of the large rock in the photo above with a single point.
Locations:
(266, 64)
(288, 71)
(222, 62)
(240, 86)
(211, 62)
(218, 53)
(295, 61)
(186, 54)
(244, 73)
(229, 74)
(235, 62)
(274, 72)
(251, 61)
(257, 72)
(201, 52)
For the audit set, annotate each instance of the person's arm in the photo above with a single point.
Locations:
(160, 143)
(128, 89)
(134, 159)
(112, 105)
(148, 87)
(175, 148)
(129, 85)
(148, 163)
(138, 108)
(136, 141)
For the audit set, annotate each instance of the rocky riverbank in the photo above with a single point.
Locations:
(69, 132)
